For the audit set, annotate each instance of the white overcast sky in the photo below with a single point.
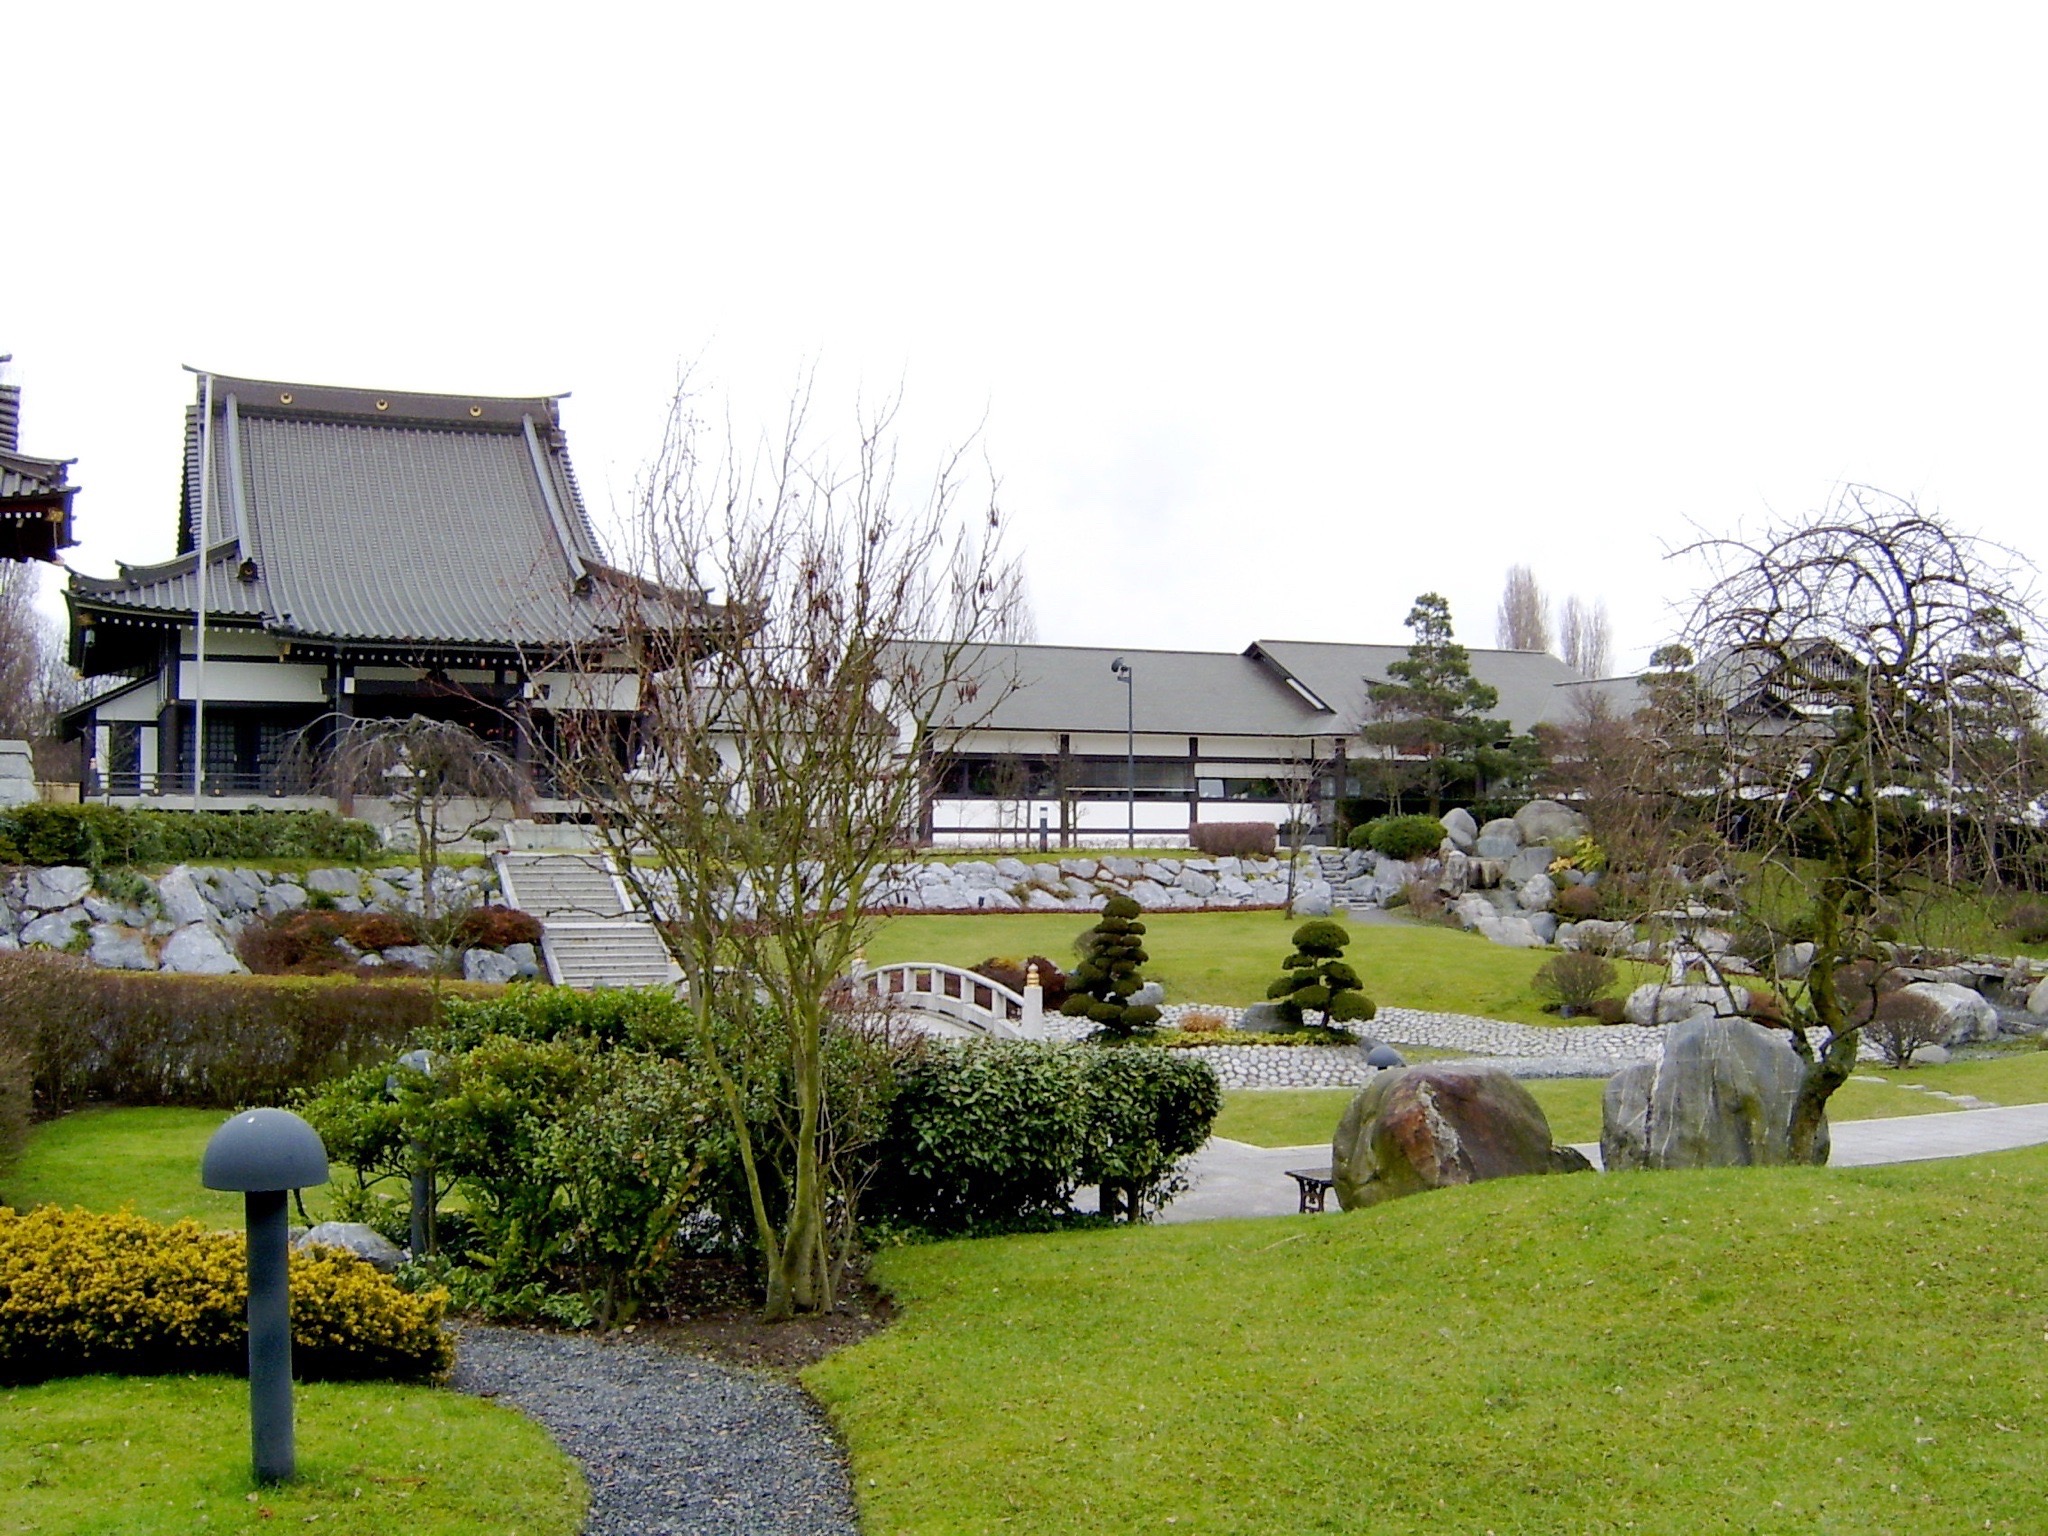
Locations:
(1277, 316)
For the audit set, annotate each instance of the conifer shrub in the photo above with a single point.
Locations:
(1316, 985)
(1110, 971)
(83, 1292)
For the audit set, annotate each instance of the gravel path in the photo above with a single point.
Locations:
(671, 1445)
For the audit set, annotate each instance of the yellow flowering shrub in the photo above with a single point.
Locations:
(82, 1291)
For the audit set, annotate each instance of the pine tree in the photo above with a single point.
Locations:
(1316, 979)
(1431, 707)
(1109, 972)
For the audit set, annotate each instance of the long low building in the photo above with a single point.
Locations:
(1084, 744)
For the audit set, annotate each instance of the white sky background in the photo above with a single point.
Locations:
(1277, 317)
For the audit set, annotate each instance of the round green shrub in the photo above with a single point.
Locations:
(1404, 837)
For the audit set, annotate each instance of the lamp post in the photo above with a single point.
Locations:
(1121, 671)
(265, 1153)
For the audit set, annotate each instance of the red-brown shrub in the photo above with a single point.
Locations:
(304, 943)
(383, 930)
(140, 1037)
(496, 927)
(1233, 839)
(1576, 903)
(1012, 974)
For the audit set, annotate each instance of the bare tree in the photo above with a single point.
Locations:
(787, 741)
(35, 683)
(445, 782)
(1523, 621)
(1865, 670)
(1585, 636)
(1298, 780)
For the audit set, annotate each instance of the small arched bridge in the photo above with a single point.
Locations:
(950, 1001)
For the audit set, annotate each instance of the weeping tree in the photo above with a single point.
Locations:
(1109, 972)
(786, 746)
(445, 783)
(1867, 695)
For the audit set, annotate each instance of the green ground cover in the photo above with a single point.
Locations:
(1296, 1117)
(1230, 957)
(1764, 1350)
(151, 1456)
(104, 1159)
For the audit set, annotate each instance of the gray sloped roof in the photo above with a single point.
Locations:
(1336, 673)
(1192, 693)
(384, 517)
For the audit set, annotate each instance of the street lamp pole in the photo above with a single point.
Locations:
(1121, 670)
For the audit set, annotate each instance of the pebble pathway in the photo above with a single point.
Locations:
(671, 1445)
(1520, 1050)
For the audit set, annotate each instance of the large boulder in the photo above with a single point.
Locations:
(1545, 821)
(1527, 865)
(52, 889)
(197, 950)
(489, 966)
(1965, 1015)
(182, 900)
(1536, 893)
(1597, 937)
(1314, 899)
(353, 1237)
(1264, 1019)
(117, 948)
(1660, 1003)
(1461, 829)
(1417, 1128)
(1721, 1096)
(57, 930)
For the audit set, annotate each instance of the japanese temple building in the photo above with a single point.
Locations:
(365, 553)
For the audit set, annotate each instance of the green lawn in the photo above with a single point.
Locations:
(107, 1158)
(153, 1456)
(1296, 1117)
(1230, 957)
(1768, 1350)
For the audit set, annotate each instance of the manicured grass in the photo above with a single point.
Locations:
(104, 1159)
(2016, 1077)
(152, 1456)
(1230, 957)
(1296, 1117)
(1765, 1350)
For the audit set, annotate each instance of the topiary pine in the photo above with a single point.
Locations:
(1108, 973)
(1316, 980)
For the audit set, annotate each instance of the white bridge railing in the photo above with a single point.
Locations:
(978, 1005)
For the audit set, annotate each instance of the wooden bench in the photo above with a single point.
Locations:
(1315, 1185)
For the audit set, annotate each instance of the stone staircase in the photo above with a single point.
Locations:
(1346, 888)
(591, 934)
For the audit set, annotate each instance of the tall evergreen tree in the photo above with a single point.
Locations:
(1110, 972)
(1432, 709)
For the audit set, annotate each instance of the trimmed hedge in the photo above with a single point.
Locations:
(99, 835)
(1234, 839)
(82, 1292)
(146, 1038)
(993, 1134)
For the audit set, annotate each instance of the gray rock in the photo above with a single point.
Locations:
(1545, 821)
(1264, 1019)
(1197, 884)
(1502, 827)
(282, 898)
(2037, 1000)
(366, 1243)
(1461, 829)
(101, 910)
(1544, 924)
(1038, 899)
(1313, 899)
(1536, 893)
(1721, 1096)
(182, 900)
(1495, 848)
(1965, 1015)
(1527, 865)
(196, 950)
(1513, 933)
(1597, 937)
(1151, 994)
(1084, 869)
(1013, 869)
(419, 956)
(54, 888)
(335, 882)
(526, 957)
(1793, 961)
(1656, 1003)
(56, 929)
(1473, 910)
(1384, 1056)
(383, 896)
(1123, 868)
(1930, 1056)
(488, 965)
(1148, 893)
(120, 949)
(996, 900)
